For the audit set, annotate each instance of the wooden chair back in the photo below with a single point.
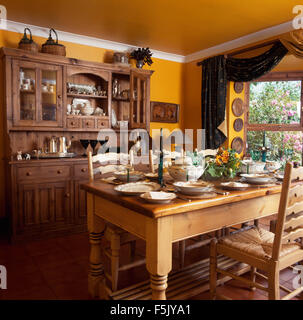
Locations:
(290, 215)
(103, 169)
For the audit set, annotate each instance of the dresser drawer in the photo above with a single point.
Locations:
(88, 123)
(72, 123)
(41, 173)
(81, 171)
(101, 123)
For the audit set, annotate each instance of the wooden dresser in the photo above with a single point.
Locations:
(44, 196)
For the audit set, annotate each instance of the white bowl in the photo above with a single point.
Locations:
(273, 165)
(158, 197)
(253, 167)
(184, 173)
(133, 176)
(193, 188)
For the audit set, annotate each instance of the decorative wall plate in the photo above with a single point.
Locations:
(237, 144)
(238, 124)
(238, 107)
(238, 87)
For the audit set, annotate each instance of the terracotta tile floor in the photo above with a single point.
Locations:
(57, 269)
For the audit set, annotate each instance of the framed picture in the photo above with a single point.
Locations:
(164, 112)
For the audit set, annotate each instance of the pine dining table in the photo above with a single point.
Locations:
(160, 225)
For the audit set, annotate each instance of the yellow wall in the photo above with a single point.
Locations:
(231, 96)
(166, 82)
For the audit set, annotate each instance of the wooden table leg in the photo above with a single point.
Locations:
(96, 227)
(159, 254)
(96, 269)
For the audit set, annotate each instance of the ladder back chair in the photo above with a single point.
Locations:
(113, 234)
(264, 250)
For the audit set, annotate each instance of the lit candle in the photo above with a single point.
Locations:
(151, 163)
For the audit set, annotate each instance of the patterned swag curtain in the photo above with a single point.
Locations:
(215, 74)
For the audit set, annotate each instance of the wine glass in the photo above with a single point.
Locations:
(103, 143)
(93, 144)
(84, 144)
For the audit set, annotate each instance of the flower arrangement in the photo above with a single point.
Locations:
(142, 56)
(225, 165)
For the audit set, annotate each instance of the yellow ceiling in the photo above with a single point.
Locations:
(175, 26)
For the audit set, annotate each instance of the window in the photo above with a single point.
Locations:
(274, 117)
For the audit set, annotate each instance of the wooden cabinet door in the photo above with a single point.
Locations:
(62, 202)
(50, 95)
(27, 210)
(43, 205)
(139, 100)
(80, 202)
(37, 94)
(25, 93)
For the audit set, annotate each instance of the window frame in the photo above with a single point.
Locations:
(272, 76)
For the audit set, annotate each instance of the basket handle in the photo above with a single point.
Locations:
(50, 34)
(30, 34)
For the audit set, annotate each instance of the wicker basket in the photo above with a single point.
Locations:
(26, 43)
(53, 47)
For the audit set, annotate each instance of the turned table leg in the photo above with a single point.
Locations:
(96, 227)
(158, 285)
(96, 270)
(159, 254)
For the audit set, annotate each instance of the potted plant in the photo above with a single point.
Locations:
(142, 56)
(225, 165)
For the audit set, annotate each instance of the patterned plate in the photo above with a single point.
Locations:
(237, 107)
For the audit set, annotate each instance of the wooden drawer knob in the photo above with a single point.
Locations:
(67, 195)
(87, 123)
(59, 171)
(83, 169)
(102, 123)
(72, 123)
(28, 173)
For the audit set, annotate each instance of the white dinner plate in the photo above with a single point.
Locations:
(255, 178)
(137, 188)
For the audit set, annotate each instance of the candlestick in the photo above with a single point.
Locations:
(160, 168)
(151, 162)
(131, 158)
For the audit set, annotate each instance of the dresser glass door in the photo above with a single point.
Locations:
(27, 94)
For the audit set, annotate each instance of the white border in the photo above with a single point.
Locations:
(240, 42)
(117, 46)
(89, 41)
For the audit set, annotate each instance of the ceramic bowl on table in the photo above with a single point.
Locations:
(133, 176)
(158, 197)
(137, 188)
(272, 166)
(185, 172)
(249, 166)
(193, 188)
(151, 176)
